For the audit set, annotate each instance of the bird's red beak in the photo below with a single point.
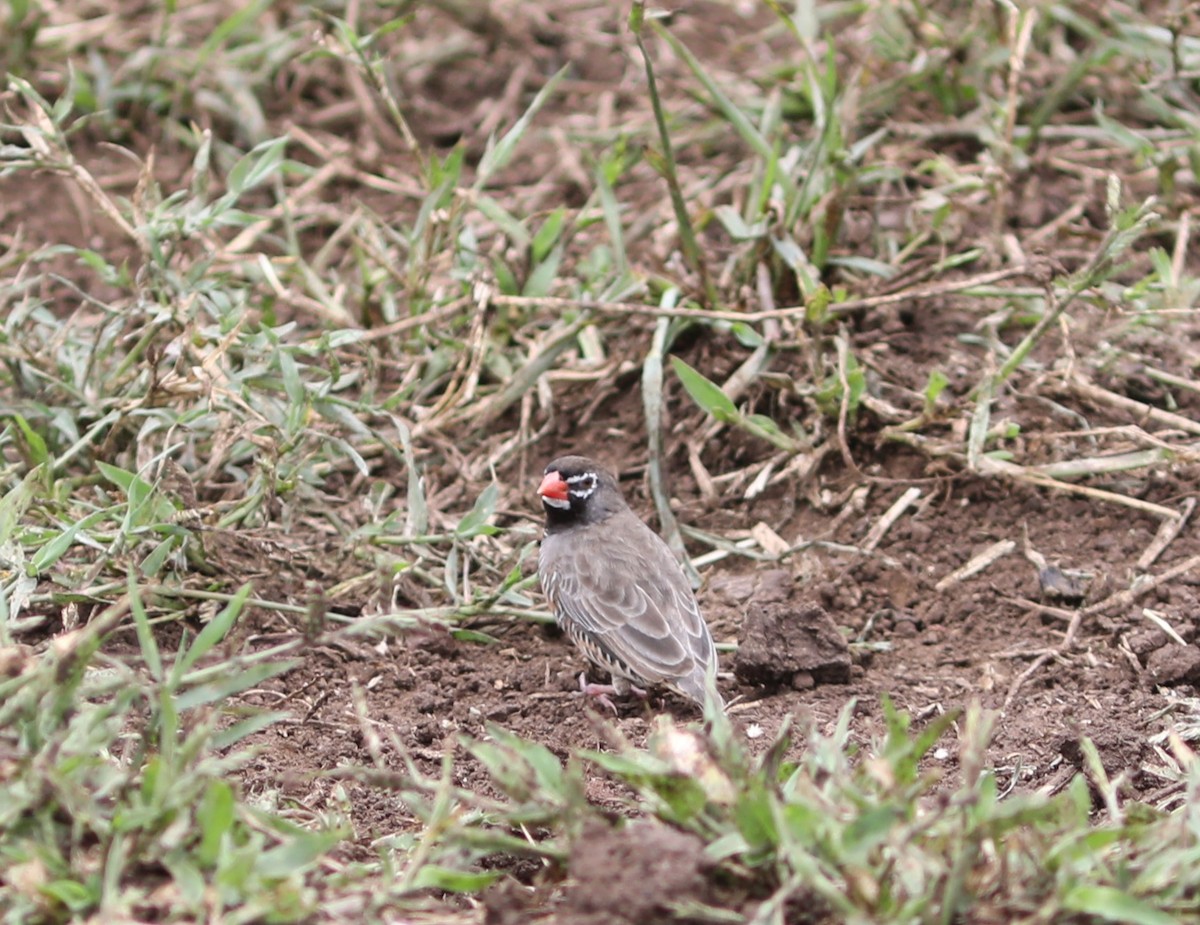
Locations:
(553, 486)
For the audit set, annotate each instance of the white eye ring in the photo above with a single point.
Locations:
(582, 486)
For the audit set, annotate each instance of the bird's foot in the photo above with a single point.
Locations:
(600, 692)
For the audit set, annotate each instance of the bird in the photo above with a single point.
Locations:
(617, 590)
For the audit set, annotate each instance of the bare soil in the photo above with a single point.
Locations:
(927, 646)
(969, 642)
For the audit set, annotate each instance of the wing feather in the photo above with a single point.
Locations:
(631, 599)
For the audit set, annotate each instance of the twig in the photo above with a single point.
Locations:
(1081, 388)
(843, 358)
(1032, 555)
(1168, 530)
(1048, 610)
(977, 564)
(704, 480)
(1037, 663)
(1020, 26)
(1127, 596)
(1161, 375)
(744, 547)
(1098, 465)
(1158, 620)
(890, 516)
(434, 315)
(740, 547)
(770, 541)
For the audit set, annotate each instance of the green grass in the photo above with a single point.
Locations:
(261, 302)
(873, 832)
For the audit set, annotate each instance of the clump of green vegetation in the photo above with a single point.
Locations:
(908, 828)
(117, 786)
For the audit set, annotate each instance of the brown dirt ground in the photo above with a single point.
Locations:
(968, 642)
(945, 648)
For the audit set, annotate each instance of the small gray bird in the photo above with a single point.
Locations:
(617, 590)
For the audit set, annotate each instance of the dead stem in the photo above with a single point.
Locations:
(915, 294)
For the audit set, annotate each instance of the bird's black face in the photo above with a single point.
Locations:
(573, 490)
(563, 491)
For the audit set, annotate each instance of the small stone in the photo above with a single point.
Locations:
(1067, 586)
(774, 585)
(867, 571)
(919, 532)
(433, 705)
(732, 590)
(803, 681)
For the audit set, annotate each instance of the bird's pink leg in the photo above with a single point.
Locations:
(600, 692)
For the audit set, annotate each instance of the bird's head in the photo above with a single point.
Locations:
(575, 489)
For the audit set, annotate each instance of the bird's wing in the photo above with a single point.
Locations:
(625, 590)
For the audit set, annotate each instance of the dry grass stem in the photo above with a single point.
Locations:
(894, 512)
(977, 563)
(1168, 531)
(1158, 620)
(1081, 388)
(989, 466)
(915, 295)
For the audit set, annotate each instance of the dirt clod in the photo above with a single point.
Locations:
(781, 640)
(1146, 642)
(629, 875)
(1174, 664)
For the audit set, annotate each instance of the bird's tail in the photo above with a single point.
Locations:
(701, 686)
